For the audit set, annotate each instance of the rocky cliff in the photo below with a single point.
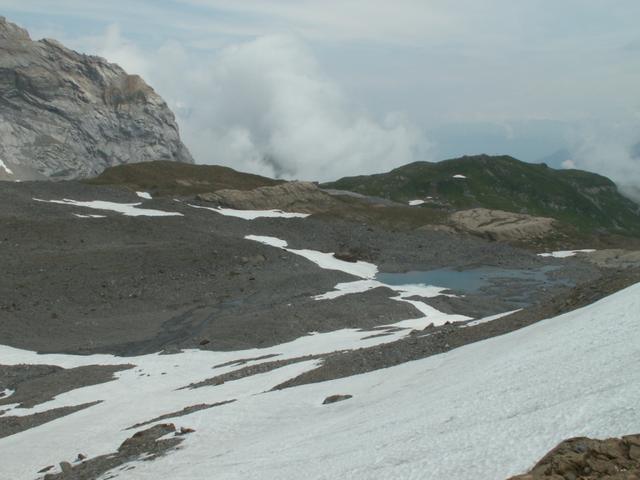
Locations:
(67, 115)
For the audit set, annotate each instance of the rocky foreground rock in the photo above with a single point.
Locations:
(67, 115)
(145, 445)
(586, 459)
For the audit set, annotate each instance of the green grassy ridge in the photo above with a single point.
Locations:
(585, 200)
(174, 178)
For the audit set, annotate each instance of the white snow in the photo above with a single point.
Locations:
(430, 314)
(459, 176)
(323, 260)
(414, 203)
(347, 288)
(6, 393)
(490, 318)
(5, 168)
(487, 410)
(145, 195)
(271, 241)
(79, 215)
(253, 214)
(127, 209)
(566, 253)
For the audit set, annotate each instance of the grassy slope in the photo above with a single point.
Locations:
(173, 178)
(585, 200)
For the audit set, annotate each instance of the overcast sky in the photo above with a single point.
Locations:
(320, 89)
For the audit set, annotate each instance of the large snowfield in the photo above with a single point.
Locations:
(483, 411)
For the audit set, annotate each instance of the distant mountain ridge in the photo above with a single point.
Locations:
(586, 200)
(173, 178)
(67, 115)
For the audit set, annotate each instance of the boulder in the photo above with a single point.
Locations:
(336, 398)
(500, 225)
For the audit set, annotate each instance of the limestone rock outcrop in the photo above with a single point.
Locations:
(501, 225)
(67, 115)
(303, 197)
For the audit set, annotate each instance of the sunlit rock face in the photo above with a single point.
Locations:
(67, 115)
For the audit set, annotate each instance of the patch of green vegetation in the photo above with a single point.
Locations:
(587, 201)
(175, 178)
(389, 217)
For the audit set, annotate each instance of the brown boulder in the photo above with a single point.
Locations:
(500, 225)
(587, 459)
(336, 398)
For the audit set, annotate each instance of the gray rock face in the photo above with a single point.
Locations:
(66, 115)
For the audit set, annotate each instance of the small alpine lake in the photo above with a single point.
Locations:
(474, 279)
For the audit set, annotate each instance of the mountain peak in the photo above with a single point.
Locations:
(69, 115)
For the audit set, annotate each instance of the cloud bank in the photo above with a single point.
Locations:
(611, 149)
(265, 106)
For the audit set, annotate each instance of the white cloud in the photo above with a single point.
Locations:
(117, 49)
(401, 21)
(608, 148)
(265, 106)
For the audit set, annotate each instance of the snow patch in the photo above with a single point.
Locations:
(79, 215)
(459, 176)
(145, 195)
(127, 209)
(490, 318)
(253, 214)
(432, 316)
(415, 203)
(323, 260)
(5, 168)
(347, 288)
(6, 393)
(566, 253)
(271, 241)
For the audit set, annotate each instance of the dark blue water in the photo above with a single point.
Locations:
(470, 281)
